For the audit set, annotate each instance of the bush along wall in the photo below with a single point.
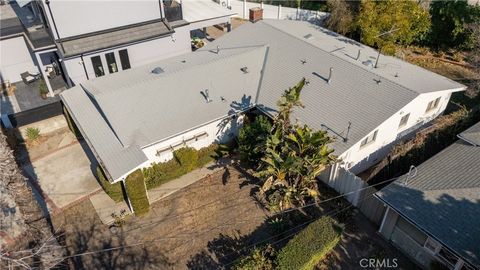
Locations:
(71, 124)
(185, 160)
(113, 190)
(137, 193)
(306, 249)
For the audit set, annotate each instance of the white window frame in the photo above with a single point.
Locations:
(401, 124)
(371, 138)
(432, 105)
(434, 243)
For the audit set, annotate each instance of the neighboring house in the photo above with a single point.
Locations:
(88, 39)
(24, 42)
(140, 116)
(434, 215)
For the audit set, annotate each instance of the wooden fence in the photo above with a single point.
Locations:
(357, 191)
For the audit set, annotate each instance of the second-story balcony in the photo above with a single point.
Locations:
(173, 10)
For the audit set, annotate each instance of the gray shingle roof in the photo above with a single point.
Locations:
(444, 198)
(353, 95)
(114, 37)
(116, 158)
(142, 108)
(132, 109)
(472, 135)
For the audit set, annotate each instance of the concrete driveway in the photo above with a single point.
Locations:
(64, 176)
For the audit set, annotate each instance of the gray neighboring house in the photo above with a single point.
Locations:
(134, 118)
(435, 215)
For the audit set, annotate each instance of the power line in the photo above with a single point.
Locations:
(274, 214)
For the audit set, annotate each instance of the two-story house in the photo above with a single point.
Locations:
(88, 39)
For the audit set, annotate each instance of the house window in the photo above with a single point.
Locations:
(448, 256)
(97, 66)
(403, 121)
(111, 63)
(368, 140)
(432, 105)
(432, 246)
(124, 60)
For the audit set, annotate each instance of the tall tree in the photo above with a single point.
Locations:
(388, 22)
(341, 18)
(450, 20)
(295, 156)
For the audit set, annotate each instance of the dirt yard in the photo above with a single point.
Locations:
(176, 234)
(204, 226)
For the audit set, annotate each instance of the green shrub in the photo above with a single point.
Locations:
(207, 155)
(137, 193)
(252, 138)
(309, 246)
(160, 173)
(42, 87)
(33, 134)
(261, 258)
(71, 124)
(113, 190)
(187, 157)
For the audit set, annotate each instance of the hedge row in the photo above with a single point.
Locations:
(185, 160)
(71, 124)
(306, 249)
(137, 193)
(113, 190)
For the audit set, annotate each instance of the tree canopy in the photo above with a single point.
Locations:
(341, 19)
(295, 155)
(450, 21)
(384, 23)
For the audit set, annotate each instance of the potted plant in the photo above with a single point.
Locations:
(42, 87)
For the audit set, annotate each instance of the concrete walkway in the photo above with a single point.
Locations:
(105, 207)
(63, 177)
(175, 185)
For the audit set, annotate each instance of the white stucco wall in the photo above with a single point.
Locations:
(219, 131)
(15, 58)
(139, 54)
(359, 159)
(72, 16)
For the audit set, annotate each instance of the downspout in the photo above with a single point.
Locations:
(160, 6)
(84, 68)
(51, 16)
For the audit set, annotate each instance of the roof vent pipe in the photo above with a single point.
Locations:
(330, 75)
(206, 95)
(358, 55)
(218, 49)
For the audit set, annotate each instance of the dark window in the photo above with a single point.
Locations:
(432, 105)
(370, 139)
(124, 59)
(97, 66)
(403, 121)
(111, 63)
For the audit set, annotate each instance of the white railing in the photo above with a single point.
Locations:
(274, 12)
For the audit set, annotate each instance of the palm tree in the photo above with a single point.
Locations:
(295, 156)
